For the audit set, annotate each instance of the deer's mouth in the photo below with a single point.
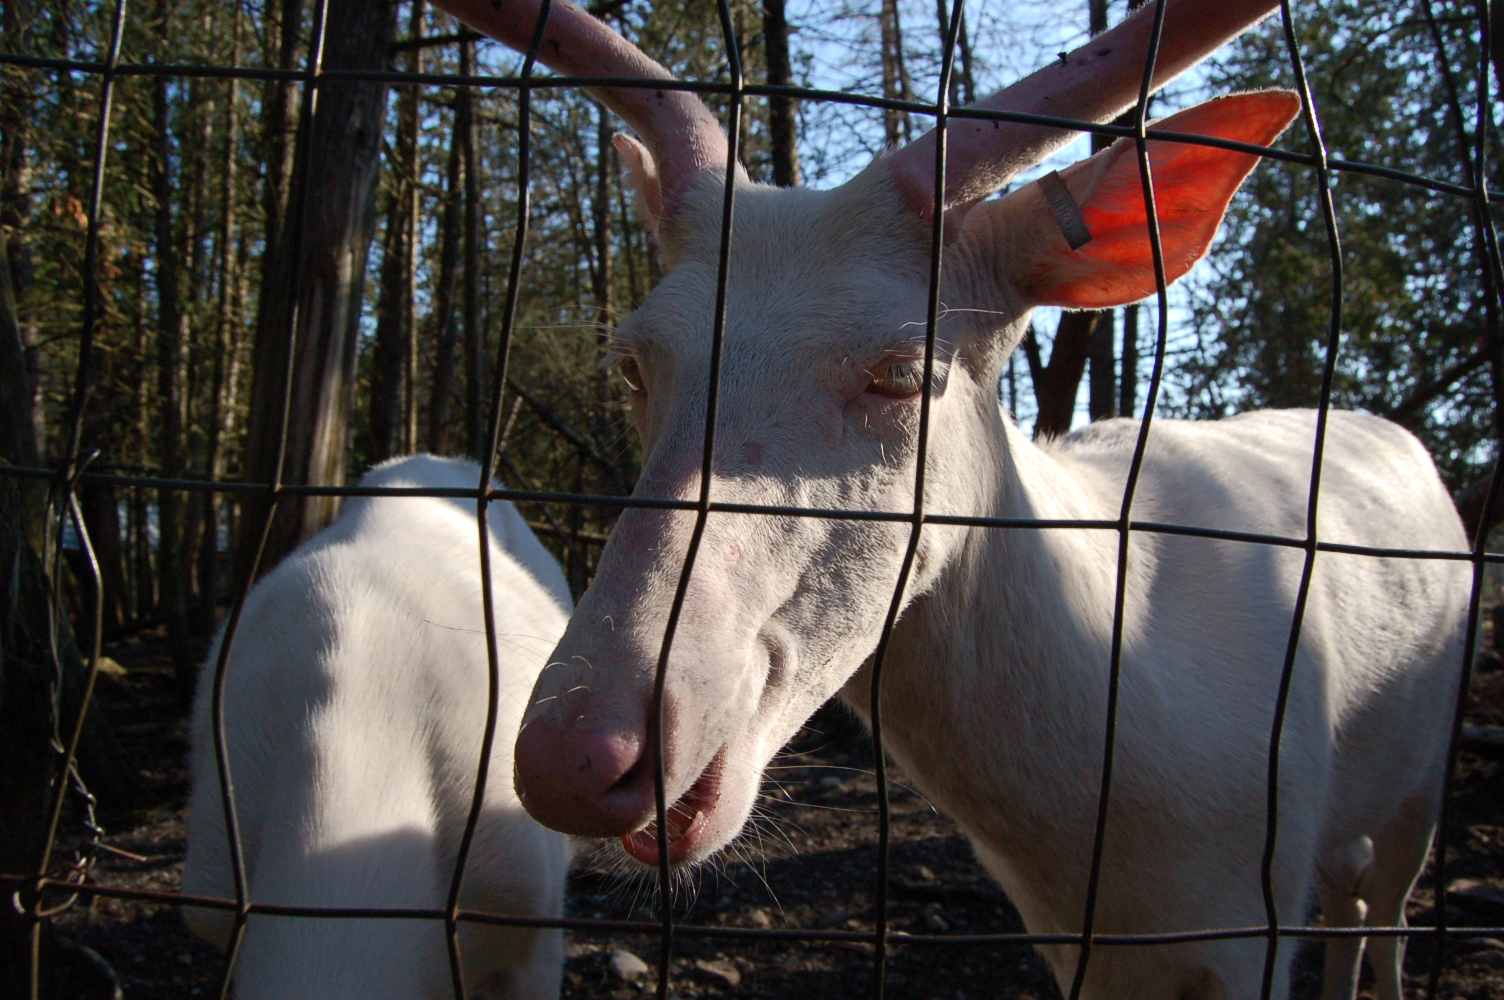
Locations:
(688, 819)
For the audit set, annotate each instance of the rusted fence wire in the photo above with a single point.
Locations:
(40, 892)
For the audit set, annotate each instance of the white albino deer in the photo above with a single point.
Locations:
(996, 679)
(355, 700)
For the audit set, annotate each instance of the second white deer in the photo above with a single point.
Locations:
(355, 700)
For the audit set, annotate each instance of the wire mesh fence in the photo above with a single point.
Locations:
(38, 894)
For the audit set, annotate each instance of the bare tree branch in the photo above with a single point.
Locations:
(557, 423)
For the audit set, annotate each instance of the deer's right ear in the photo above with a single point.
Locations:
(642, 179)
(1080, 239)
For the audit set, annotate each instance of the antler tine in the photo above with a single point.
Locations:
(1095, 83)
(685, 138)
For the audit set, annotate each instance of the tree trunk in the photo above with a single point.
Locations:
(1102, 389)
(389, 350)
(1055, 384)
(1128, 384)
(783, 112)
(171, 335)
(410, 372)
(1495, 42)
(16, 433)
(895, 73)
(393, 421)
(442, 389)
(339, 154)
(466, 134)
(226, 345)
(962, 83)
(17, 109)
(968, 78)
(198, 383)
(25, 673)
(600, 218)
(389, 377)
(279, 115)
(26, 714)
(143, 572)
(279, 125)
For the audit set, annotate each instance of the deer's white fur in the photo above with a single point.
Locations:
(998, 689)
(997, 676)
(996, 682)
(355, 701)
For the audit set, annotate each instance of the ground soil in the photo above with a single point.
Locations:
(811, 865)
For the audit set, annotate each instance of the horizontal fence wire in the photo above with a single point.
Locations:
(73, 891)
(769, 510)
(64, 889)
(772, 510)
(38, 893)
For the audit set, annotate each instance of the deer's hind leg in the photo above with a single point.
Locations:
(1342, 876)
(1400, 851)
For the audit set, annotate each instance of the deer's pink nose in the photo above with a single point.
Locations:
(583, 781)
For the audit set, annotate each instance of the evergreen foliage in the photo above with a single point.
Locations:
(1419, 337)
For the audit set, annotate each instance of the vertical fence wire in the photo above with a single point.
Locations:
(75, 460)
(656, 742)
(62, 497)
(1483, 219)
(1454, 745)
(483, 500)
(1125, 511)
(941, 110)
(300, 208)
(275, 492)
(67, 774)
(1313, 496)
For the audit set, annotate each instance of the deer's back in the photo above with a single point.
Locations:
(1381, 637)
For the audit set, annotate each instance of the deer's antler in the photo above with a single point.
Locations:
(683, 136)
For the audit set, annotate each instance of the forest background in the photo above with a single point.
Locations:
(379, 230)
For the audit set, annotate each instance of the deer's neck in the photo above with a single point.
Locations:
(1008, 653)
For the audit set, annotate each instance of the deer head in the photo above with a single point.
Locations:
(820, 387)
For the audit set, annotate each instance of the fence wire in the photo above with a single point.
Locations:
(36, 894)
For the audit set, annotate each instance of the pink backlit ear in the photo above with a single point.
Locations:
(1192, 187)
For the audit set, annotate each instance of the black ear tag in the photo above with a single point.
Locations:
(1067, 214)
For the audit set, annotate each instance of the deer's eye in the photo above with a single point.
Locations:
(899, 379)
(631, 374)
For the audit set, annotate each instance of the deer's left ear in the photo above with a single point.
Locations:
(642, 178)
(1034, 228)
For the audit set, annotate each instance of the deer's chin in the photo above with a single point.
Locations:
(702, 820)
